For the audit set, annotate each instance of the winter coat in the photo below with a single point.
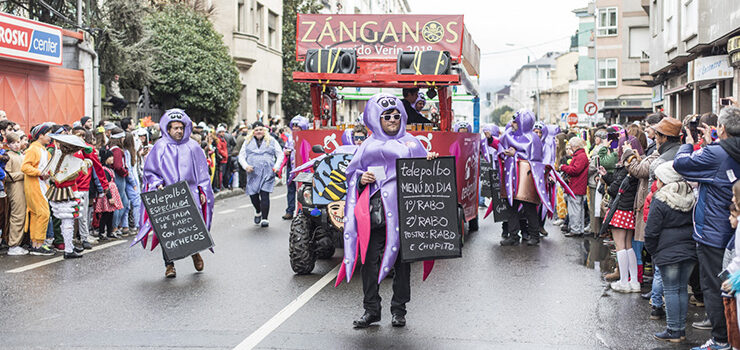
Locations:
(715, 171)
(639, 169)
(265, 157)
(627, 200)
(577, 172)
(593, 169)
(668, 233)
(608, 159)
(667, 152)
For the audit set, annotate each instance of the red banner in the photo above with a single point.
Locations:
(380, 36)
(464, 146)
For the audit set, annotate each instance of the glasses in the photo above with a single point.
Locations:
(388, 117)
(360, 138)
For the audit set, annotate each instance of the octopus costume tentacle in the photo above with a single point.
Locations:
(528, 147)
(170, 162)
(379, 149)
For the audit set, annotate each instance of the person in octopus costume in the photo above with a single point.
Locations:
(371, 214)
(296, 124)
(521, 143)
(348, 135)
(549, 144)
(421, 101)
(174, 158)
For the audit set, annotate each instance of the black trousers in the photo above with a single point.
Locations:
(370, 271)
(105, 224)
(527, 214)
(695, 283)
(118, 104)
(710, 265)
(261, 202)
(242, 178)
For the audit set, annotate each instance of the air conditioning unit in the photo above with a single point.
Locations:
(423, 62)
(331, 61)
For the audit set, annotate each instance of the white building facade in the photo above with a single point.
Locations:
(252, 30)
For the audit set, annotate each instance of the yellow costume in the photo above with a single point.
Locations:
(37, 214)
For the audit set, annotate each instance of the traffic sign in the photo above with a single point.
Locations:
(590, 108)
(572, 119)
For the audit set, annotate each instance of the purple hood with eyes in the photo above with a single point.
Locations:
(380, 149)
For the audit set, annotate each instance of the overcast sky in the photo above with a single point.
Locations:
(495, 23)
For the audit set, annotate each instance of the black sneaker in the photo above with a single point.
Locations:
(658, 313)
(79, 249)
(257, 219)
(86, 245)
(512, 240)
(72, 255)
(42, 250)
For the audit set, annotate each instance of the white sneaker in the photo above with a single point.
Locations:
(621, 287)
(17, 251)
(265, 223)
(635, 287)
(557, 222)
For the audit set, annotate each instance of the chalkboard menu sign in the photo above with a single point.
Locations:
(486, 169)
(501, 207)
(429, 227)
(176, 221)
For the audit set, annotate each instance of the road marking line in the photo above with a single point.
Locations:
(226, 211)
(260, 334)
(60, 258)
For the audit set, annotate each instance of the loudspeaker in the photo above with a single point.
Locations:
(423, 62)
(331, 61)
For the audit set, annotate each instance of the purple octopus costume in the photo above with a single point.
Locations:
(303, 123)
(549, 144)
(379, 149)
(487, 151)
(170, 162)
(528, 147)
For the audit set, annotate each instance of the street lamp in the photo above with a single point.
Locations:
(537, 70)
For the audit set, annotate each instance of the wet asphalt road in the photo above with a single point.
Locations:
(492, 298)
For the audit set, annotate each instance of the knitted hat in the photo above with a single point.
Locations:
(666, 174)
(84, 120)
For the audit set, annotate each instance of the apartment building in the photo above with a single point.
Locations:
(694, 59)
(620, 50)
(252, 30)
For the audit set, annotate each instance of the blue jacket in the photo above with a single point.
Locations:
(715, 171)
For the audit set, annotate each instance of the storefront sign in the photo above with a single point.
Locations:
(710, 68)
(657, 93)
(26, 40)
(380, 36)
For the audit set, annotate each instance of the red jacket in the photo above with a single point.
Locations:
(83, 180)
(119, 165)
(578, 172)
(222, 150)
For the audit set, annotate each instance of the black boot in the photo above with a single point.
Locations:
(366, 320)
(533, 240)
(511, 240)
